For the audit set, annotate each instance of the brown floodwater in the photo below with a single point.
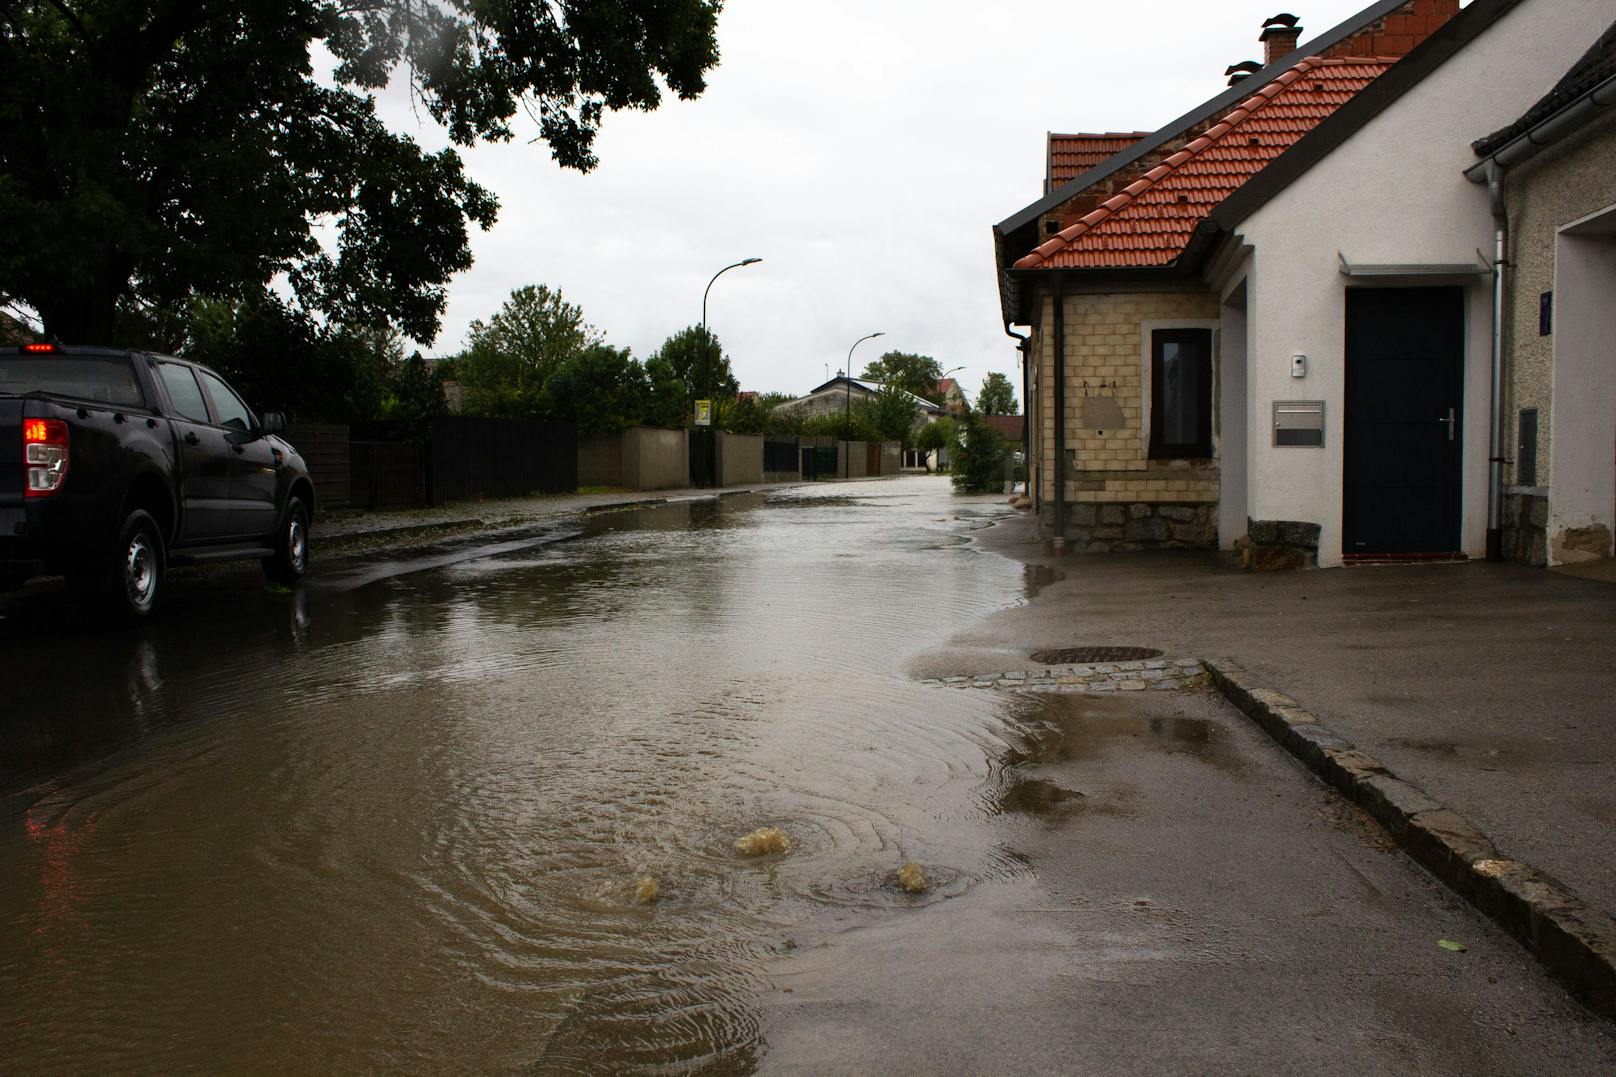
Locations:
(402, 819)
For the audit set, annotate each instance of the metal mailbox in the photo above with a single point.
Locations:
(1299, 424)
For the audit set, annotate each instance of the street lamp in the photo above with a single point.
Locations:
(847, 416)
(706, 350)
(940, 379)
(704, 469)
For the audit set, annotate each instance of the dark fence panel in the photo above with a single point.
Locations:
(324, 447)
(388, 475)
(780, 454)
(474, 458)
(703, 456)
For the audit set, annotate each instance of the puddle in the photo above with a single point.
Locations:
(1036, 796)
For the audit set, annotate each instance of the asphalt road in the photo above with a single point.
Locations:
(403, 819)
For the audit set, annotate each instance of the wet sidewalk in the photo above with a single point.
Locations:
(1488, 686)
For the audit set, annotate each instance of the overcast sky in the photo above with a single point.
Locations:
(863, 149)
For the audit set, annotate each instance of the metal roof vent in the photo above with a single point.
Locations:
(1242, 70)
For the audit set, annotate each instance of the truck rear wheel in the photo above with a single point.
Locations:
(291, 558)
(138, 568)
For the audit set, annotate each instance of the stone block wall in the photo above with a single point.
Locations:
(1279, 545)
(1116, 527)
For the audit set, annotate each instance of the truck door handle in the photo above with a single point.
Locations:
(1450, 421)
(192, 439)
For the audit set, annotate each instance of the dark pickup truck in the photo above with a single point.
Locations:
(116, 464)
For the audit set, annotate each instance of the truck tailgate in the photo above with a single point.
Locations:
(10, 450)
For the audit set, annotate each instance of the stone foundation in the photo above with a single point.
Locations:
(1279, 546)
(1526, 526)
(1108, 527)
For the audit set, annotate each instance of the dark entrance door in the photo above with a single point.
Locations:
(1404, 420)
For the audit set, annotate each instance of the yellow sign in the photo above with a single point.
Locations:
(704, 413)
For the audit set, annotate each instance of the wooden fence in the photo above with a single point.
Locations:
(324, 447)
(473, 458)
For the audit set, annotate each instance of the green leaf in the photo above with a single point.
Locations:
(1449, 944)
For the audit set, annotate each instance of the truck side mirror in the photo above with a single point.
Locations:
(274, 422)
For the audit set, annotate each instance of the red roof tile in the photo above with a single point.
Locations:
(1072, 155)
(1152, 219)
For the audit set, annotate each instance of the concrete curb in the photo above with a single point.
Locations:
(1574, 941)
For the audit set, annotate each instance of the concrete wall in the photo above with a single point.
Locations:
(1554, 203)
(740, 458)
(852, 460)
(600, 461)
(1392, 193)
(655, 459)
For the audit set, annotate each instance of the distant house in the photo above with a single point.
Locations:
(1010, 427)
(1266, 326)
(842, 392)
(952, 395)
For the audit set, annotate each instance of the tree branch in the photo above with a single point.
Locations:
(71, 16)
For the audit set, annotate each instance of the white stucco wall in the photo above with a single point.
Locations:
(1393, 193)
(1582, 475)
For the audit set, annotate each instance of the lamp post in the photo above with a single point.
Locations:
(944, 377)
(706, 350)
(705, 474)
(940, 379)
(847, 415)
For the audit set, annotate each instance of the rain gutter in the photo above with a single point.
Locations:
(1022, 340)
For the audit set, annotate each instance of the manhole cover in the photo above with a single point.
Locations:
(1082, 656)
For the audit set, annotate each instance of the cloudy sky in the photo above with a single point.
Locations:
(862, 148)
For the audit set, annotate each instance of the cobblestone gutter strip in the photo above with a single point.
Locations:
(1574, 941)
(1159, 674)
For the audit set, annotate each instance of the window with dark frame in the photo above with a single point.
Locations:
(1181, 394)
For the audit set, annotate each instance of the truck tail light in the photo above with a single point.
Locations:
(44, 455)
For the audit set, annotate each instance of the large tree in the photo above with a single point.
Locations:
(919, 374)
(997, 397)
(700, 363)
(157, 151)
(604, 390)
(510, 359)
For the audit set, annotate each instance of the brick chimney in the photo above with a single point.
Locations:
(1280, 36)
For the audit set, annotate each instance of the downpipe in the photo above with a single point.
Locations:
(1498, 434)
(1022, 340)
(1059, 346)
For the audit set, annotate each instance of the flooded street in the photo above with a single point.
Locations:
(402, 820)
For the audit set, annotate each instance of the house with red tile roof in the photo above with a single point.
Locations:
(1187, 386)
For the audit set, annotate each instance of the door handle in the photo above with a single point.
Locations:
(237, 449)
(192, 439)
(1450, 420)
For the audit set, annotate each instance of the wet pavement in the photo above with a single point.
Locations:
(400, 820)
